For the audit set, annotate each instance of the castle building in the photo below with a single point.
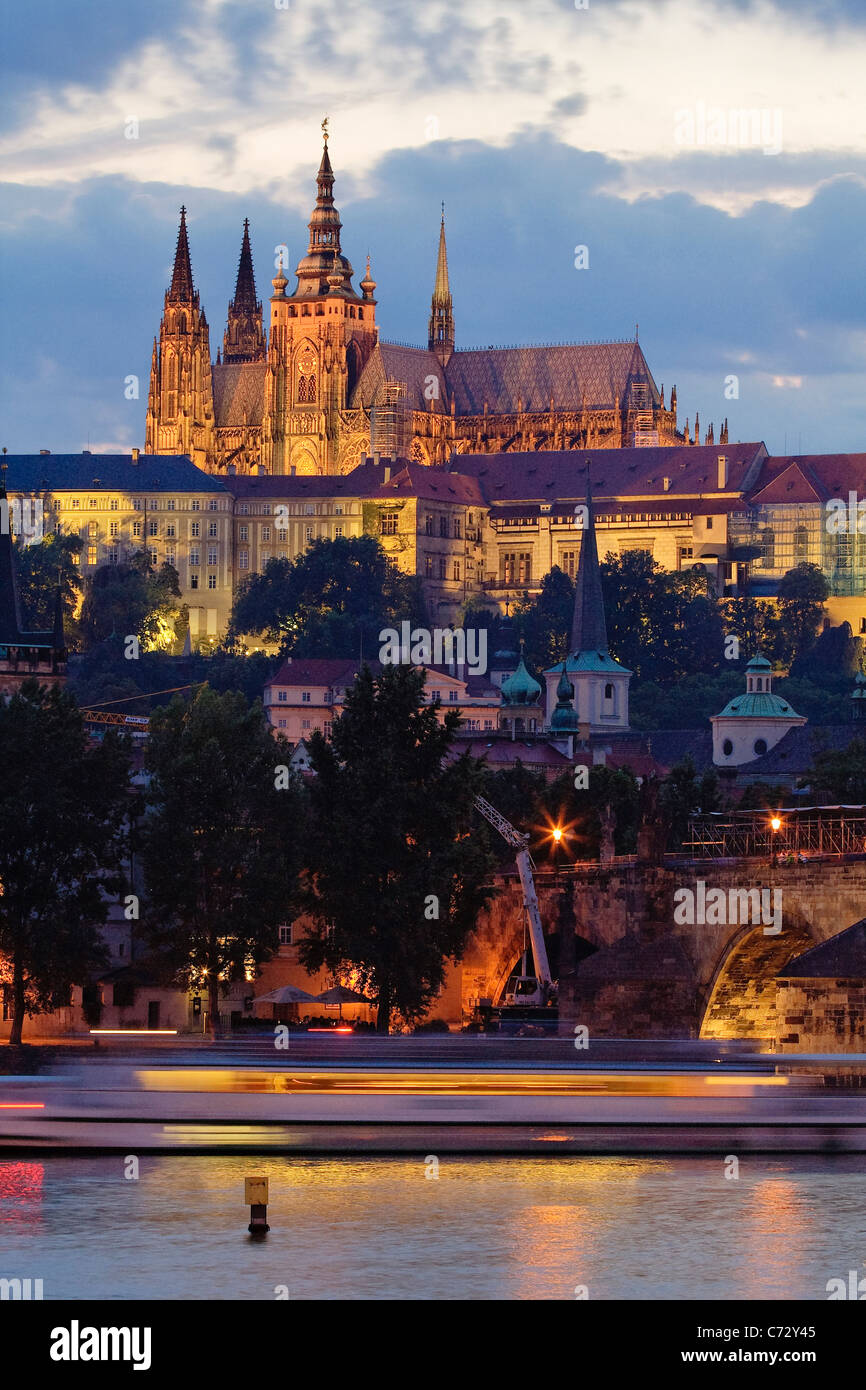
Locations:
(317, 390)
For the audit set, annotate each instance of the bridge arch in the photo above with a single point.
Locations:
(740, 999)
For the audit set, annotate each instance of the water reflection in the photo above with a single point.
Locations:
(359, 1228)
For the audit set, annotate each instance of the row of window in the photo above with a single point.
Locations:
(439, 564)
(287, 508)
(137, 504)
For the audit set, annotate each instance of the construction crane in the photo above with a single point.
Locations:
(527, 991)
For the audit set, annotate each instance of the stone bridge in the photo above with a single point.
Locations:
(638, 971)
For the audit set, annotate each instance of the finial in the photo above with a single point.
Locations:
(443, 209)
(325, 130)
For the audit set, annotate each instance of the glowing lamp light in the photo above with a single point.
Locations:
(557, 834)
(776, 823)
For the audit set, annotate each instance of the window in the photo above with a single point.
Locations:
(306, 389)
(282, 697)
(456, 569)
(442, 567)
(488, 724)
(265, 557)
(457, 528)
(152, 528)
(266, 509)
(91, 554)
(308, 534)
(213, 505)
(169, 506)
(212, 557)
(428, 525)
(309, 510)
(75, 504)
(338, 533)
(443, 527)
(169, 531)
(154, 504)
(286, 935)
(389, 523)
(760, 746)
(94, 502)
(153, 557)
(136, 504)
(114, 528)
(195, 505)
(709, 523)
(305, 697)
(113, 504)
(92, 528)
(428, 566)
(305, 723)
(282, 534)
(523, 567)
(243, 509)
(243, 559)
(568, 562)
(338, 510)
(169, 555)
(243, 533)
(608, 691)
(281, 723)
(266, 533)
(195, 529)
(727, 748)
(193, 581)
(193, 555)
(452, 696)
(211, 581)
(136, 530)
(768, 549)
(212, 529)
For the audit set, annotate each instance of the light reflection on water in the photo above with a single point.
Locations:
(355, 1228)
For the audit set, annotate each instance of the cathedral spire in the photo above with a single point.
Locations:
(317, 272)
(181, 280)
(440, 334)
(588, 628)
(244, 339)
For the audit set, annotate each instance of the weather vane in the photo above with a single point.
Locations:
(325, 129)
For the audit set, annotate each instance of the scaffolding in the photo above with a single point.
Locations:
(780, 537)
(806, 830)
(390, 430)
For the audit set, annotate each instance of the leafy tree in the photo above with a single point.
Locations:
(63, 803)
(835, 657)
(329, 600)
(218, 844)
(801, 597)
(39, 568)
(683, 793)
(747, 619)
(134, 600)
(396, 864)
(544, 622)
(840, 774)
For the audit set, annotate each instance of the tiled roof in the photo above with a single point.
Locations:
(842, 957)
(757, 704)
(560, 475)
(392, 362)
(795, 754)
(532, 376)
(809, 478)
(29, 473)
(417, 480)
(247, 486)
(239, 393)
(320, 671)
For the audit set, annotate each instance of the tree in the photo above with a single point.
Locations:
(134, 600)
(63, 803)
(337, 595)
(683, 793)
(39, 568)
(801, 597)
(545, 622)
(219, 842)
(396, 863)
(835, 658)
(840, 774)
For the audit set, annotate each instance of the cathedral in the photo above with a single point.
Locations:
(318, 391)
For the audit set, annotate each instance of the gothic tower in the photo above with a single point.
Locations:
(244, 339)
(321, 336)
(180, 416)
(440, 332)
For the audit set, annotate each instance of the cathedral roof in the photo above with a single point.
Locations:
(181, 280)
(412, 365)
(809, 478)
(239, 393)
(527, 378)
(757, 704)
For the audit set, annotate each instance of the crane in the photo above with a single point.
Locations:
(520, 843)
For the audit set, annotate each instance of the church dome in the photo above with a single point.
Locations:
(564, 718)
(521, 688)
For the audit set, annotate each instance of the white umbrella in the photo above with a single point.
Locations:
(288, 994)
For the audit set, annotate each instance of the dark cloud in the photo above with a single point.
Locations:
(775, 292)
